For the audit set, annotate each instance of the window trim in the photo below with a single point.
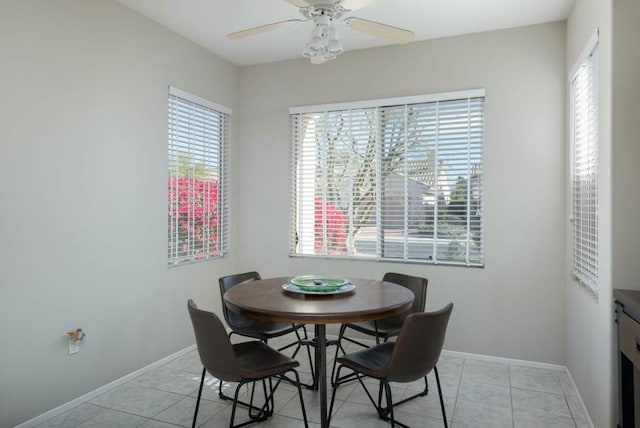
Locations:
(375, 104)
(591, 283)
(198, 100)
(223, 189)
(385, 102)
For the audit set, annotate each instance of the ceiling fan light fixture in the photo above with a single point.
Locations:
(324, 43)
(335, 47)
(308, 53)
(317, 31)
(333, 33)
(317, 59)
(323, 19)
(316, 44)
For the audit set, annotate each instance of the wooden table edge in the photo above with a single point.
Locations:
(297, 318)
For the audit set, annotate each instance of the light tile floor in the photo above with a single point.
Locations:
(477, 394)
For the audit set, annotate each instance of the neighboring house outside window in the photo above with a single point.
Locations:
(584, 130)
(197, 184)
(397, 179)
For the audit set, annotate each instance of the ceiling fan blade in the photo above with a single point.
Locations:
(263, 28)
(352, 5)
(376, 29)
(298, 3)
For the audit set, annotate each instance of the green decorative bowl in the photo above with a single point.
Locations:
(319, 283)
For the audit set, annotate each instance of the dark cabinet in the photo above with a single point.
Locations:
(628, 320)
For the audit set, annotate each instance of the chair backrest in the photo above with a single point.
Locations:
(228, 282)
(416, 284)
(215, 349)
(418, 346)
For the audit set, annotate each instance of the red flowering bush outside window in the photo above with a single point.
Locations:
(335, 222)
(193, 219)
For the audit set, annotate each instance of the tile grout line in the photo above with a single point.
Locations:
(513, 417)
(455, 402)
(464, 364)
(63, 408)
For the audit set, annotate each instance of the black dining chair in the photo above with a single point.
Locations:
(247, 362)
(261, 330)
(412, 356)
(384, 329)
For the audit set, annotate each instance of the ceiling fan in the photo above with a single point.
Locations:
(323, 44)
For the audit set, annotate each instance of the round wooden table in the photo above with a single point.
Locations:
(266, 300)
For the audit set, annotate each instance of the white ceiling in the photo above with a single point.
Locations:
(207, 22)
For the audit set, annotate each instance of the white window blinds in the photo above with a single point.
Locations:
(584, 158)
(389, 179)
(198, 132)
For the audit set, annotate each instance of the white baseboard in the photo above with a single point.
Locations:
(88, 396)
(92, 394)
(481, 357)
(502, 360)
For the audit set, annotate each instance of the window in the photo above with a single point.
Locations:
(584, 166)
(393, 179)
(197, 187)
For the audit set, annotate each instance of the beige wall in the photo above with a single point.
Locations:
(515, 306)
(625, 154)
(85, 198)
(83, 219)
(625, 151)
(590, 319)
(591, 339)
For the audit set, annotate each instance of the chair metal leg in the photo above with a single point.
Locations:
(380, 391)
(378, 405)
(384, 413)
(334, 387)
(339, 347)
(422, 393)
(233, 407)
(299, 344)
(308, 344)
(387, 389)
(260, 417)
(444, 414)
(390, 417)
(268, 410)
(304, 412)
(253, 391)
(273, 406)
(195, 413)
(249, 405)
(268, 407)
(268, 397)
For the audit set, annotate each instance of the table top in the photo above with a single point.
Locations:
(266, 300)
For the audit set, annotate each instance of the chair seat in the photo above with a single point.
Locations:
(386, 328)
(370, 361)
(412, 356)
(261, 329)
(258, 360)
(245, 363)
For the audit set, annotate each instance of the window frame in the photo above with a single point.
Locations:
(585, 259)
(295, 250)
(205, 138)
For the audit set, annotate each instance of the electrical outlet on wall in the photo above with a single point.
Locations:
(74, 348)
(75, 337)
